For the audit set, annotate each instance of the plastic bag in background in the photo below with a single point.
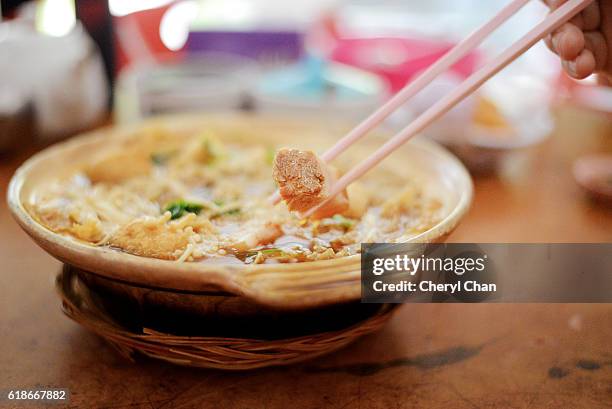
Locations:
(61, 78)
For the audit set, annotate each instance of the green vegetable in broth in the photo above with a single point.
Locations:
(178, 208)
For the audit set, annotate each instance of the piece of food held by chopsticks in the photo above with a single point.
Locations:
(305, 181)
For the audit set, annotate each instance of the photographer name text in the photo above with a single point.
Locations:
(430, 286)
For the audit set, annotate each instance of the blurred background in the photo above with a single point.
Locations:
(67, 66)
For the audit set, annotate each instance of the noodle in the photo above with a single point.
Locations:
(198, 199)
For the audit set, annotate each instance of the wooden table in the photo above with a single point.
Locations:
(429, 355)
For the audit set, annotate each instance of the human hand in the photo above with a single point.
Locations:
(584, 44)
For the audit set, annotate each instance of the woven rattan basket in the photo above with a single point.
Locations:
(230, 353)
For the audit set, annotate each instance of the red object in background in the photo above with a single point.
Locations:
(398, 59)
(138, 40)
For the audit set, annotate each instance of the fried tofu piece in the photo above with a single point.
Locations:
(152, 238)
(118, 167)
(359, 200)
(305, 181)
(255, 236)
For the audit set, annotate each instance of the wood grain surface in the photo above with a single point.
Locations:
(429, 355)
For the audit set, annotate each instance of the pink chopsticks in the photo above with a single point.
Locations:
(552, 21)
(443, 64)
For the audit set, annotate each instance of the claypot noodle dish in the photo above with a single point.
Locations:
(202, 198)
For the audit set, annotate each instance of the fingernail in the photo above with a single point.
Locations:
(571, 67)
(555, 43)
